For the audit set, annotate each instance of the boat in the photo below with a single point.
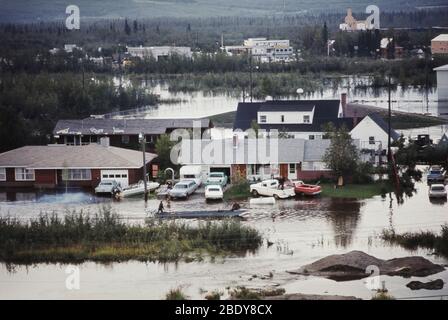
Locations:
(138, 188)
(307, 189)
(262, 201)
(200, 214)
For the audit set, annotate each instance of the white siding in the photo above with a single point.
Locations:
(366, 129)
(296, 117)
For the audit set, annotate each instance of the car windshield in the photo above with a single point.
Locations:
(180, 186)
(435, 172)
(438, 188)
(215, 175)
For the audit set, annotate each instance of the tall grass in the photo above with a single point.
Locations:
(104, 237)
(423, 239)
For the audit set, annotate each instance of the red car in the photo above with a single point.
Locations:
(307, 189)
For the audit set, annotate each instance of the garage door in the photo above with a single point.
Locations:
(121, 176)
(225, 170)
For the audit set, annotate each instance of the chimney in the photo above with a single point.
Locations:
(344, 104)
(355, 118)
(105, 141)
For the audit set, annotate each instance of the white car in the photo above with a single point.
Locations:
(108, 186)
(271, 188)
(214, 192)
(437, 191)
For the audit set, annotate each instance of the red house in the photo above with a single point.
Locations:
(55, 166)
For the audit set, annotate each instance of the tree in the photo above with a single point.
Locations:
(163, 150)
(256, 128)
(341, 157)
(127, 28)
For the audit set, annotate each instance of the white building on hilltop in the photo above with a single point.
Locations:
(264, 50)
(442, 90)
(159, 52)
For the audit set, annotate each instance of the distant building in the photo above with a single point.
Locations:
(389, 50)
(70, 47)
(439, 45)
(159, 52)
(351, 24)
(121, 132)
(264, 50)
(442, 90)
(56, 166)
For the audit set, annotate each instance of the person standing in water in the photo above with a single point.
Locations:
(161, 208)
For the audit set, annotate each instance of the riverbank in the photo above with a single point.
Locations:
(105, 238)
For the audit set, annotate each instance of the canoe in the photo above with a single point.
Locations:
(200, 214)
(307, 189)
(137, 189)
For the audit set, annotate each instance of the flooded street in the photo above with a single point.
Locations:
(301, 230)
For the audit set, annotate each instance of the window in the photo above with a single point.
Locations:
(23, 174)
(306, 119)
(125, 139)
(292, 168)
(77, 174)
(371, 140)
(263, 119)
(2, 174)
(254, 169)
(311, 137)
(282, 118)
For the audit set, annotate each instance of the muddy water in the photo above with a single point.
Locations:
(301, 230)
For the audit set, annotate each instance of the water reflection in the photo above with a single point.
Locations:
(344, 217)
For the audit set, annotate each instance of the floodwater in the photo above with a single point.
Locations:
(208, 103)
(302, 230)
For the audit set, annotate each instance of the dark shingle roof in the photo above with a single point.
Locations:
(325, 111)
(124, 126)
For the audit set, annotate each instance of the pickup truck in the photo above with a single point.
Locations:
(271, 188)
(436, 175)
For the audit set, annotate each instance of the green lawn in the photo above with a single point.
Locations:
(357, 191)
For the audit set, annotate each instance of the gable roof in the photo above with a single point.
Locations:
(104, 126)
(444, 140)
(92, 156)
(325, 111)
(383, 125)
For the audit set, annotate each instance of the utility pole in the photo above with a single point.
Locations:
(389, 120)
(143, 142)
(250, 74)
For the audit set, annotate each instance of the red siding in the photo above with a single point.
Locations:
(45, 178)
(239, 171)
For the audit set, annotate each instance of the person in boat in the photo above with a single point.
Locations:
(235, 206)
(161, 208)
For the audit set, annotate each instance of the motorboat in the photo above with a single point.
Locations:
(138, 188)
(307, 189)
(262, 201)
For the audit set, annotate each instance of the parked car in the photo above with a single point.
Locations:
(183, 189)
(271, 188)
(214, 192)
(437, 191)
(217, 178)
(436, 175)
(108, 186)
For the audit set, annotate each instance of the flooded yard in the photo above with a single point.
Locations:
(301, 231)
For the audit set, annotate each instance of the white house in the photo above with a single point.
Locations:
(264, 50)
(442, 90)
(159, 52)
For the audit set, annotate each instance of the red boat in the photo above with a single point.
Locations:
(307, 189)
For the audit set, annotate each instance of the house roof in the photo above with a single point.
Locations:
(442, 68)
(325, 111)
(441, 37)
(92, 156)
(102, 126)
(383, 125)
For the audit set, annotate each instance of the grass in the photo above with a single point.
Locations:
(175, 294)
(355, 191)
(103, 237)
(237, 191)
(243, 293)
(423, 239)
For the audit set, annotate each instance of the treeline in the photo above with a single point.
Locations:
(30, 105)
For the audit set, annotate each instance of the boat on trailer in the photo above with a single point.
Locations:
(307, 189)
(138, 188)
(206, 214)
